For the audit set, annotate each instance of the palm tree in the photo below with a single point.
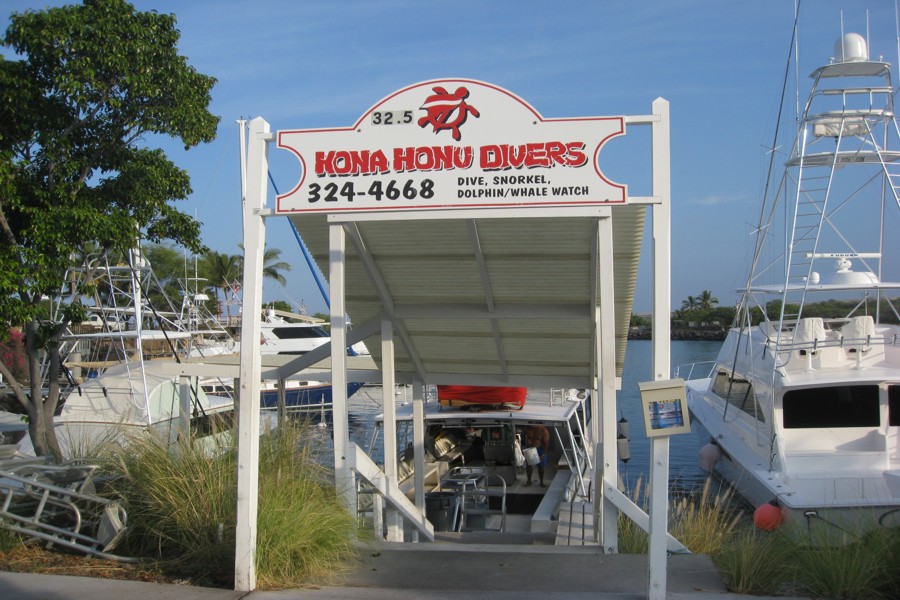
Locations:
(272, 266)
(706, 300)
(222, 270)
(689, 304)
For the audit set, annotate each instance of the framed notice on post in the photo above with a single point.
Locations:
(664, 406)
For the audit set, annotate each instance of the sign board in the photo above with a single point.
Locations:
(665, 408)
(451, 143)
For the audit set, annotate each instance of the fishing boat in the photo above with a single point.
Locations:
(802, 407)
(113, 362)
(475, 471)
(286, 333)
(299, 335)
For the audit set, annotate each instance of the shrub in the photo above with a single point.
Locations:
(753, 562)
(855, 567)
(706, 522)
(181, 503)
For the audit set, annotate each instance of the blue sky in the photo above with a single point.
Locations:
(720, 64)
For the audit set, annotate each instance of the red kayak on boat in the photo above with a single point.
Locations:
(482, 397)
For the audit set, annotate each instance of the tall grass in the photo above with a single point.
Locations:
(181, 503)
(753, 562)
(303, 534)
(703, 522)
(825, 560)
(854, 568)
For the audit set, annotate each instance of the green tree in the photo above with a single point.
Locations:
(170, 270)
(689, 304)
(706, 300)
(89, 85)
(272, 264)
(221, 270)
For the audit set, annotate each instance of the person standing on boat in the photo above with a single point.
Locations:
(537, 437)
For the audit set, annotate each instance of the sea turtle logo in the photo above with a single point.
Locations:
(447, 111)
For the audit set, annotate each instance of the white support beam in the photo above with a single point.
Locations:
(662, 292)
(389, 406)
(419, 443)
(607, 379)
(343, 475)
(254, 201)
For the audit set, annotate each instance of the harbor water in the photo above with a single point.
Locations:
(684, 471)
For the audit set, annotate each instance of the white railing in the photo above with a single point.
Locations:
(364, 467)
(697, 370)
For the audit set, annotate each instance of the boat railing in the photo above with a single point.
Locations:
(834, 340)
(383, 489)
(698, 370)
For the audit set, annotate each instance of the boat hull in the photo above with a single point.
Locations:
(810, 499)
(313, 396)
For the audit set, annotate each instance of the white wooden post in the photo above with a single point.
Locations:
(662, 292)
(388, 383)
(419, 445)
(343, 476)
(606, 336)
(254, 202)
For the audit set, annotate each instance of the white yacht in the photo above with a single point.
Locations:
(113, 363)
(802, 408)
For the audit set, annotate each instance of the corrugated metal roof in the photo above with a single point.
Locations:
(486, 301)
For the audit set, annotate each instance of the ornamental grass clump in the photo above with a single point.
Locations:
(304, 534)
(181, 502)
(633, 539)
(855, 568)
(753, 562)
(706, 522)
(703, 523)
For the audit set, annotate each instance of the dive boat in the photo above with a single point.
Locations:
(802, 407)
(476, 489)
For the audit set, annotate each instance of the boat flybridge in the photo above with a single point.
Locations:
(476, 491)
(802, 405)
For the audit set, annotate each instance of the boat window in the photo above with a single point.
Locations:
(838, 406)
(738, 392)
(894, 405)
(295, 333)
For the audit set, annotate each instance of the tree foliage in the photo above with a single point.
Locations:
(90, 84)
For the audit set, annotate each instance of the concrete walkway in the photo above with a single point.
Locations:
(430, 571)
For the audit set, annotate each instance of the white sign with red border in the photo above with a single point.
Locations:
(451, 143)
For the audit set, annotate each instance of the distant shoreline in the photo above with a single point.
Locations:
(695, 334)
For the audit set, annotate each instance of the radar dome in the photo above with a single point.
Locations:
(851, 47)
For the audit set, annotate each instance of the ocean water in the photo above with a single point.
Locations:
(684, 449)
(684, 470)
